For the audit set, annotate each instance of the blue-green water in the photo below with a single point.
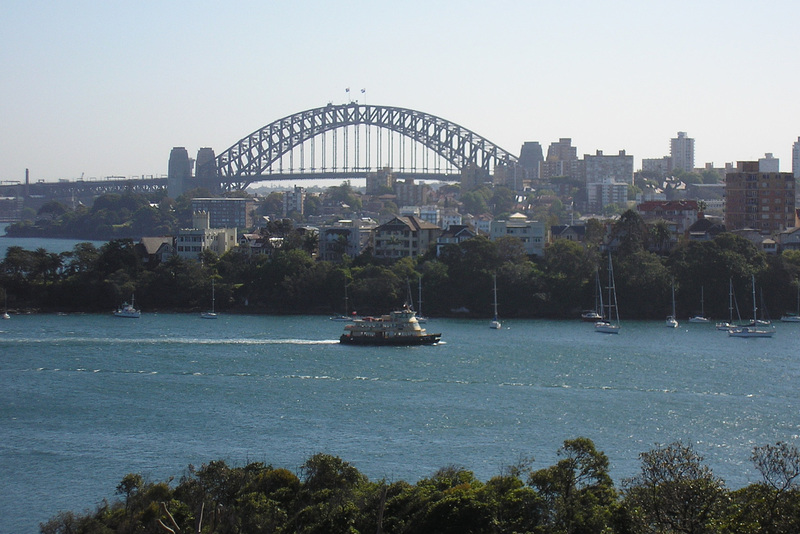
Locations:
(53, 245)
(86, 399)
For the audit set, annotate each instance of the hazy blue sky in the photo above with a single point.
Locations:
(109, 87)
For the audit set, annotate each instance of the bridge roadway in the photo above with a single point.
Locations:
(94, 188)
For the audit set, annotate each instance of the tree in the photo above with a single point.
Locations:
(631, 233)
(567, 271)
(578, 491)
(131, 484)
(674, 492)
(660, 235)
(52, 208)
(595, 232)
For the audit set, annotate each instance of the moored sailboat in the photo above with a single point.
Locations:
(606, 326)
(495, 322)
(672, 322)
(597, 313)
(211, 314)
(728, 325)
(420, 318)
(755, 328)
(702, 317)
(346, 318)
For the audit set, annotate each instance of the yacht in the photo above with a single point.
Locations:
(671, 321)
(756, 328)
(702, 317)
(606, 326)
(495, 322)
(128, 311)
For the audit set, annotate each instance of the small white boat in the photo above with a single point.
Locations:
(128, 311)
(751, 331)
(592, 316)
(495, 322)
(5, 307)
(793, 317)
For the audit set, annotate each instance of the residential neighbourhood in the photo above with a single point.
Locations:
(393, 218)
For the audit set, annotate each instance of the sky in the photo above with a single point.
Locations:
(99, 88)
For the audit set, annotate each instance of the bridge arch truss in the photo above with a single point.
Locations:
(357, 138)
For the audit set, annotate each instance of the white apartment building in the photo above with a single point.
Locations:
(190, 242)
(533, 234)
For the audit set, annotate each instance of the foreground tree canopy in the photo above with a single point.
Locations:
(457, 281)
(675, 492)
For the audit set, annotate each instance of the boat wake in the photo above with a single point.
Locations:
(174, 341)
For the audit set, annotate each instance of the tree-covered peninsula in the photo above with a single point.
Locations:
(674, 492)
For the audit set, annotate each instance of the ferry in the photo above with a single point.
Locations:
(398, 328)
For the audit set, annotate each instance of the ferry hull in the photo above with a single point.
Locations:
(426, 339)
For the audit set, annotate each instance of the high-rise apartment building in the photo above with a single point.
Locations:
(796, 159)
(294, 201)
(562, 160)
(681, 151)
(763, 201)
(226, 212)
(562, 150)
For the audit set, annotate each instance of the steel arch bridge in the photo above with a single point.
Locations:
(254, 157)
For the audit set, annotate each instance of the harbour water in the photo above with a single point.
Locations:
(54, 245)
(86, 399)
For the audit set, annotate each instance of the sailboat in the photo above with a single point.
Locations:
(210, 314)
(672, 322)
(727, 326)
(754, 329)
(420, 318)
(495, 322)
(606, 326)
(793, 317)
(345, 317)
(595, 314)
(702, 317)
(5, 307)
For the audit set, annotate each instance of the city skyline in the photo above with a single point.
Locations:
(101, 89)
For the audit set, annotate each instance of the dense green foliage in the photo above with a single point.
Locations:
(112, 216)
(675, 492)
(457, 282)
